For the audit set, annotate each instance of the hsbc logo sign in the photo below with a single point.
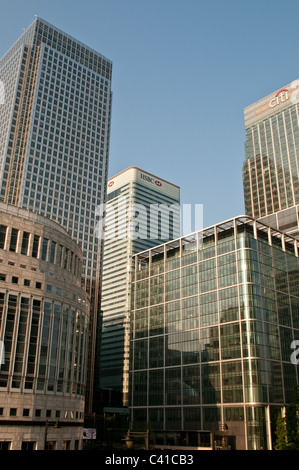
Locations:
(150, 179)
(280, 97)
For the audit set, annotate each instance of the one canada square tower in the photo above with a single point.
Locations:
(54, 139)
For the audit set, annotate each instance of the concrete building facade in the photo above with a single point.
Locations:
(54, 141)
(44, 320)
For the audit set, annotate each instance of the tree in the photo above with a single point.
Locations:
(281, 433)
(287, 429)
(292, 426)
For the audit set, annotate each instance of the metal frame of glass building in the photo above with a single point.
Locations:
(213, 317)
(271, 167)
(130, 196)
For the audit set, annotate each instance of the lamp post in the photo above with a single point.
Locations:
(56, 427)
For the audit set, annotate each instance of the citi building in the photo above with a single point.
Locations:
(271, 168)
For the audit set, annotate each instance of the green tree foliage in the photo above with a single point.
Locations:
(281, 434)
(287, 429)
(292, 426)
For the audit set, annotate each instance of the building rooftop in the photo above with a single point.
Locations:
(143, 171)
(241, 220)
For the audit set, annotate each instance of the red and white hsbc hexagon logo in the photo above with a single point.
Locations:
(150, 179)
(110, 184)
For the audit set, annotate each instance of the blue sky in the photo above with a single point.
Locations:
(183, 72)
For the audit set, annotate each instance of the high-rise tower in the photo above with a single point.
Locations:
(54, 139)
(151, 205)
(271, 168)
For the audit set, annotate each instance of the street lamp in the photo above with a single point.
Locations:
(56, 427)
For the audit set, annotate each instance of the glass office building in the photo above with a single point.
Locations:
(271, 168)
(213, 318)
(54, 139)
(131, 195)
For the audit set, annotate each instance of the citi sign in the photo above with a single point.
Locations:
(280, 97)
(150, 179)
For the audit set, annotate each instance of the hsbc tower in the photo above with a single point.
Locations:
(130, 227)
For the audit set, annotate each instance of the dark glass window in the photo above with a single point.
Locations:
(2, 236)
(25, 243)
(44, 249)
(13, 239)
(35, 246)
(52, 253)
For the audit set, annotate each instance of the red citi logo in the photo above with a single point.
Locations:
(158, 183)
(111, 184)
(280, 97)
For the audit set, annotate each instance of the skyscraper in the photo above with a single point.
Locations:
(271, 168)
(131, 195)
(54, 139)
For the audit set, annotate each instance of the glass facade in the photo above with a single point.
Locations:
(212, 321)
(54, 140)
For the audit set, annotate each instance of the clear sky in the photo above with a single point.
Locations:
(183, 72)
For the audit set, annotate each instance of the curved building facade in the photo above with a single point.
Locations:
(44, 319)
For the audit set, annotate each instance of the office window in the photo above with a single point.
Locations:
(13, 239)
(35, 246)
(3, 229)
(28, 445)
(44, 249)
(52, 253)
(25, 243)
(5, 445)
(59, 255)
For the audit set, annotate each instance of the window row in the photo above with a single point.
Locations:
(39, 413)
(29, 244)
